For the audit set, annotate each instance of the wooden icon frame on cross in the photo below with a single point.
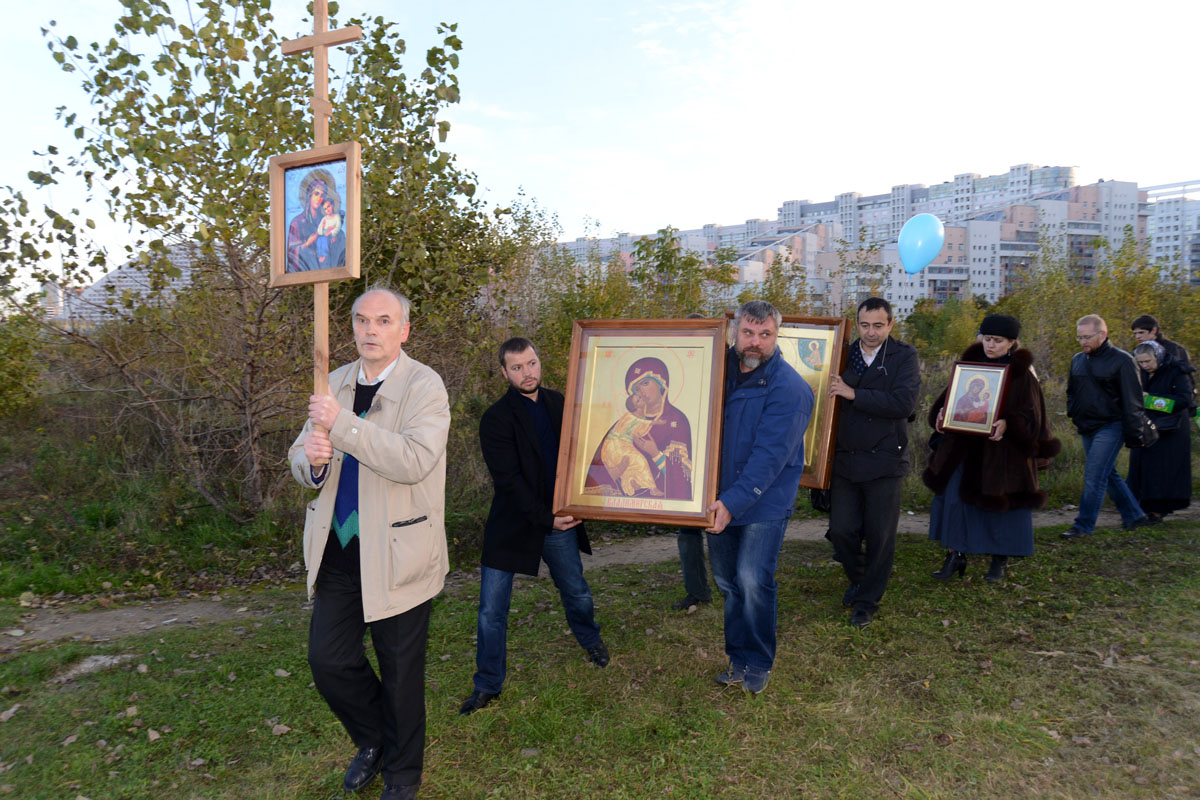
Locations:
(303, 175)
(315, 203)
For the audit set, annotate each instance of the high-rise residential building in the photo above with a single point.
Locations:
(863, 219)
(994, 229)
(1174, 226)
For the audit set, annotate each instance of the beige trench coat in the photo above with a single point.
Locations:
(401, 447)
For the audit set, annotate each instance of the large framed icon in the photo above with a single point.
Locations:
(641, 428)
(816, 348)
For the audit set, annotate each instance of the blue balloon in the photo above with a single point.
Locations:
(920, 241)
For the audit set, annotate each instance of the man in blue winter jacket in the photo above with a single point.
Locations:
(767, 406)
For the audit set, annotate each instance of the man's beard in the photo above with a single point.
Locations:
(531, 390)
(753, 359)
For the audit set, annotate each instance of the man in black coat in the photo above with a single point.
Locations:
(519, 437)
(1104, 400)
(1145, 329)
(879, 390)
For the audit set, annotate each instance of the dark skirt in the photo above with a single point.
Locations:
(1160, 476)
(960, 526)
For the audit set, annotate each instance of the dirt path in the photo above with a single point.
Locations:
(48, 625)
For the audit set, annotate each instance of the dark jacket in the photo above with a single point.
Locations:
(1174, 349)
(762, 441)
(1103, 388)
(1172, 380)
(998, 476)
(872, 434)
(521, 513)
(1179, 354)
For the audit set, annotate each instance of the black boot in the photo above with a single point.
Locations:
(955, 562)
(995, 572)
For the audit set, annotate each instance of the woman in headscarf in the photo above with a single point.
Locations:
(987, 487)
(1160, 476)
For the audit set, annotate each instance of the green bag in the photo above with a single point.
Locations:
(1156, 403)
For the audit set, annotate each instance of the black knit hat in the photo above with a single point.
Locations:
(1000, 325)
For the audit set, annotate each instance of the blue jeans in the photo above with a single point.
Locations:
(1100, 474)
(561, 554)
(744, 558)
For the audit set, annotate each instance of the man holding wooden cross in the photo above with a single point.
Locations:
(375, 540)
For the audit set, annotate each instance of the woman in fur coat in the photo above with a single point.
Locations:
(987, 487)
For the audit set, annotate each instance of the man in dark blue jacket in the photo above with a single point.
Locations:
(879, 390)
(767, 406)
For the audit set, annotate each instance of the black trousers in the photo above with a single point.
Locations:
(862, 527)
(691, 559)
(387, 710)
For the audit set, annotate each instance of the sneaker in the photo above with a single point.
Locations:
(732, 676)
(687, 602)
(850, 595)
(1141, 523)
(755, 680)
(598, 655)
(1074, 533)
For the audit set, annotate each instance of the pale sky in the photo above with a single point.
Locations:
(630, 115)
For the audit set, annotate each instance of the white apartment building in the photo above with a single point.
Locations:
(1173, 232)
(992, 234)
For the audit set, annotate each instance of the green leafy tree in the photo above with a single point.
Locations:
(19, 365)
(945, 331)
(183, 116)
(674, 282)
(1126, 284)
(861, 271)
(784, 286)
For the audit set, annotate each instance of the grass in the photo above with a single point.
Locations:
(1076, 678)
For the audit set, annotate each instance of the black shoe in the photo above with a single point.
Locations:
(687, 602)
(850, 595)
(363, 768)
(598, 655)
(995, 572)
(1141, 523)
(476, 701)
(861, 618)
(396, 792)
(955, 562)
(1074, 533)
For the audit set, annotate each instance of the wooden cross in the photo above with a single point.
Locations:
(319, 43)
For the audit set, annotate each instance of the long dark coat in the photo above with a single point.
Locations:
(1160, 476)
(1010, 465)
(521, 513)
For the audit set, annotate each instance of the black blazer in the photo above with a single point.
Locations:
(521, 513)
(872, 435)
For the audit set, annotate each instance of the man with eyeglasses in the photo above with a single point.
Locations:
(1104, 400)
